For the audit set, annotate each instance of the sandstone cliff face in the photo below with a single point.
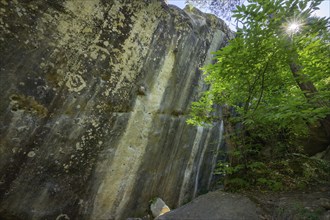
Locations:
(94, 98)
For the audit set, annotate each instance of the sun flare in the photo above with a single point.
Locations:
(293, 26)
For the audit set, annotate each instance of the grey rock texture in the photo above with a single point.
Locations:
(158, 207)
(216, 206)
(312, 203)
(94, 98)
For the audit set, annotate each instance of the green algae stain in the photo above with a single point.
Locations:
(21, 102)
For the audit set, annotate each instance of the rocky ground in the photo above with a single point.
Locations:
(312, 204)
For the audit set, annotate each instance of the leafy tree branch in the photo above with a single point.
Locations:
(275, 74)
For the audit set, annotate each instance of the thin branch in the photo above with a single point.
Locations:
(262, 86)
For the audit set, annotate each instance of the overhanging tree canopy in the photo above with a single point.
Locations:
(277, 81)
(275, 74)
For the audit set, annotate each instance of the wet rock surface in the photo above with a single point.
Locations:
(94, 99)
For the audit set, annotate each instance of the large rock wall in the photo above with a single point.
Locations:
(94, 98)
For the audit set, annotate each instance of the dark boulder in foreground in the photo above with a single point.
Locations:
(216, 205)
(311, 203)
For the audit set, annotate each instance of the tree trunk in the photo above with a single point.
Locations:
(319, 138)
(303, 82)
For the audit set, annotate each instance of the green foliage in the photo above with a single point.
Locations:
(153, 200)
(292, 172)
(297, 211)
(263, 74)
(252, 73)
